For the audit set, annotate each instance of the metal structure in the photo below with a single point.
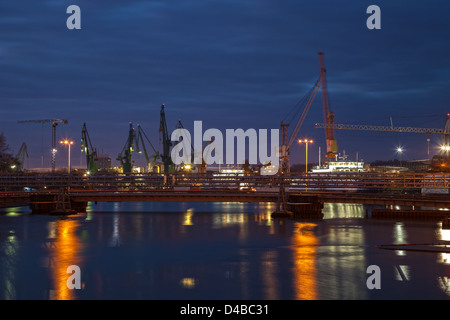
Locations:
(136, 142)
(89, 150)
(124, 156)
(200, 168)
(167, 143)
(287, 143)
(141, 142)
(20, 157)
(327, 114)
(54, 123)
(316, 182)
(382, 128)
(328, 117)
(439, 162)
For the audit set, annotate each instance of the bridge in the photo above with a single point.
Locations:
(409, 189)
(220, 182)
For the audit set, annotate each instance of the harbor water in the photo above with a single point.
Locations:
(215, 251)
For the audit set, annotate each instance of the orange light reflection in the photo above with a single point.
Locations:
(305, 246)
(65, 253)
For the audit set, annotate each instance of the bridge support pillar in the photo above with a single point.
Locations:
(59, 204)
(302, 207)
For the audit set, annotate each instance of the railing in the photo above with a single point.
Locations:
(313, 181)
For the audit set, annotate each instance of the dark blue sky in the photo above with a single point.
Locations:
(232, 64)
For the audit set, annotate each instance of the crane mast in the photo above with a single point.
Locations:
(327, 114)
(167, 143)
(141, 142)
(91, 153)
(54, 123)
(125, 156)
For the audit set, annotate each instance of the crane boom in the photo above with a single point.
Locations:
(20, 157)
(381, 128)
(125, 156)
(445, 131)
(91, 153)
(140, 138)
(327, 114)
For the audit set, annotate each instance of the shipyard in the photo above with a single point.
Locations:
(200, 156)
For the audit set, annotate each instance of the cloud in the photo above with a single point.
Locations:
(228, 63)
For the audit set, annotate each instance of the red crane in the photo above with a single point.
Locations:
(327, 114)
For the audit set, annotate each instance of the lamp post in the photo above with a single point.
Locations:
(67, 143)
(306, 142)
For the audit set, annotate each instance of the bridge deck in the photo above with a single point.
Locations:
(365, 188)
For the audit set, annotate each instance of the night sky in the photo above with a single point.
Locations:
(231, 64)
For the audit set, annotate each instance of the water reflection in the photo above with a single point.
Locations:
(65, 247)
(269, 274)
(305, 251)
(343, 210)
(237, 248)
(8, 265)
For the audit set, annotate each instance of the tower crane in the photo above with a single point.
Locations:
(445, 132)
(91, 153)
(54, 123)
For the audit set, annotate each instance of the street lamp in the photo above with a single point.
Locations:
(67, 143)
(306, 142)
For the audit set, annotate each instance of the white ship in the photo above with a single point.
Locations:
(342, 165)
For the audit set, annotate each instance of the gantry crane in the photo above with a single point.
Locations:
(20, 157)
(166, 141)
(17, 162)
(140, 141)
(54, 123)
(134, 143)
(89, 150)
(202, 167)
(125, 156)
(285, 144)
(328, 116)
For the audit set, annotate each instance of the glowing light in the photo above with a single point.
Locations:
(188, 283)
(66, 142)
